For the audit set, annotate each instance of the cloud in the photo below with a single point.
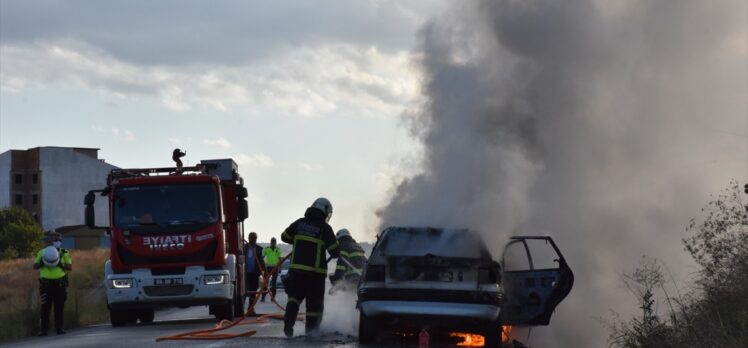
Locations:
(123, 134)
(228, 33)
(220, 142)
(309, 167)
(341, 79)
(259, 160)
(115, 132)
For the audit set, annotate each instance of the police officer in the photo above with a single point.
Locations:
(271, 255)
(350, 263)
(52, 262)
(310, 237)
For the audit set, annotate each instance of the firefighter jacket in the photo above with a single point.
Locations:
(310, 237)
(351, 252)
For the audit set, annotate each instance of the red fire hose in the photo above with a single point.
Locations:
(211, 334)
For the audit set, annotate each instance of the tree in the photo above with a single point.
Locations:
(715, 313)
(720, 242)
(20, 234)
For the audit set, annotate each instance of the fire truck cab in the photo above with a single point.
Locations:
(176, 239)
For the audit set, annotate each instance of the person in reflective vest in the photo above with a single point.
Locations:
(271, 255)
(52, 262)
(310, 237)
(350, 263)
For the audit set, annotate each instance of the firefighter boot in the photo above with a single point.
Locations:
(312, 322)
(289, 319)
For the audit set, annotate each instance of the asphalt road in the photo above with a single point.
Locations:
(175, 321)
(338, 330)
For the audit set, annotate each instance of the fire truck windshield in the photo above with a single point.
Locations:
(165, 205)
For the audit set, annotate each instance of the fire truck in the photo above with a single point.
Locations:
(176, 239)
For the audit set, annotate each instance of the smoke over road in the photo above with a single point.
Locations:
(603, 124)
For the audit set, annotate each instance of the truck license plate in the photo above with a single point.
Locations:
(168, 281)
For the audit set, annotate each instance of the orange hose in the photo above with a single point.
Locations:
(209, 334)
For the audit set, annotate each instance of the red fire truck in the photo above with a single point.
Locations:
(176, 239)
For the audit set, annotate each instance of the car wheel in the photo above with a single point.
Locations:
(492, 335)
(367, 329)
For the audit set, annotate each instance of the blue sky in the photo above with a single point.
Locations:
(306, 96)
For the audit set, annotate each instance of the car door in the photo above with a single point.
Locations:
(535, 279)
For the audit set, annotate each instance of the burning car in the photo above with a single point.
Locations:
(446, 280)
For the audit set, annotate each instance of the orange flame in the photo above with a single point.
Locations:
(505, 331)
(468, 340)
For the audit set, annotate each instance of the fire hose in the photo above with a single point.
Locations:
(356, 270)
(211, 334)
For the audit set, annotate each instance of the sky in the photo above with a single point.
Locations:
(606, 125)
(305, 96)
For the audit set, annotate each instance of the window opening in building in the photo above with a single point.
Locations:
(19, 199)
(19, 179)
(35, 199)
(35, 178)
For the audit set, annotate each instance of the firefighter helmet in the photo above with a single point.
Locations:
(50, 256)
(342, 233)
(323, 205)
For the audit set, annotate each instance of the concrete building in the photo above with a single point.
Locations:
(50, 182)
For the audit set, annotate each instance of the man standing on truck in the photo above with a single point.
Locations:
(350, 263)
(254, 265)
(52, 262)
(308, 270)
(271, 255)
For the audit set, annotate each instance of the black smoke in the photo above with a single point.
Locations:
(603, 124)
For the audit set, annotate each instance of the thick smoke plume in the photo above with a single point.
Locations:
(605, 124)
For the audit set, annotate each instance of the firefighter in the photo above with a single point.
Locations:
(52, 262)
(271, 255)
(310, 237)
(176, 156)
(254, 266)
(350, 263)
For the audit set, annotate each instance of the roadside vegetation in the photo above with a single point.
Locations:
(20, 234)
(715, 312)
(19, 294)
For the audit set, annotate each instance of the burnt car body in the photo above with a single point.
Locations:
(446, 280)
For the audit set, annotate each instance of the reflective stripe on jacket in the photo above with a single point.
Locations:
(311, 236)
(353, 253)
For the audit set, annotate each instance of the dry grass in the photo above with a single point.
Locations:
(19, 294)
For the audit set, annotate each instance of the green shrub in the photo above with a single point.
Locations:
(20, 234)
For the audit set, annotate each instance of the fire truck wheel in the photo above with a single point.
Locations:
(367, 329)
(238, 302)
(132, 317)
(146, 315)
(224, 312)
(117, 318)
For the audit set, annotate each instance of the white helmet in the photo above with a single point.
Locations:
(342, 232)
(323, 205)
(51, 256)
